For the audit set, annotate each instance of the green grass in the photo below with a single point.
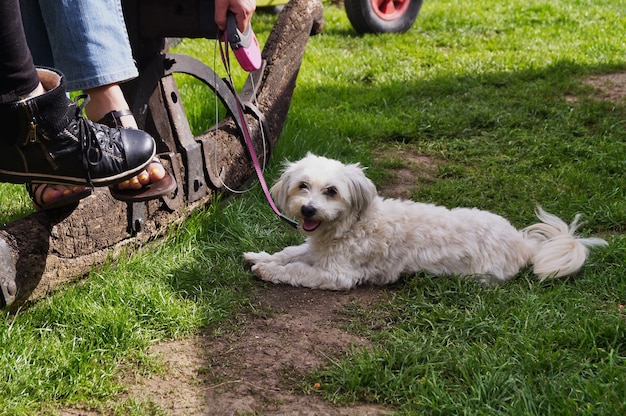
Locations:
(456, 348)
(481, 88)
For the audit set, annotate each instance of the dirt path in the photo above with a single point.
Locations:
(247, 370)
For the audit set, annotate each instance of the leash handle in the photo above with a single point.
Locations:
(248, 139)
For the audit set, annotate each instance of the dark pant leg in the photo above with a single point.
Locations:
(18, 76)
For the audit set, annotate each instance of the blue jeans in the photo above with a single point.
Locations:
(85, 39)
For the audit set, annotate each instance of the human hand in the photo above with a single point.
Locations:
(243, 10)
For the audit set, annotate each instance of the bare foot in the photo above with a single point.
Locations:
(45, 196)
(154, 173)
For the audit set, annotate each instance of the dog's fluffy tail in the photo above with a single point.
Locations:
(560, 251)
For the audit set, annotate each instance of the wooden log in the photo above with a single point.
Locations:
(44, 250)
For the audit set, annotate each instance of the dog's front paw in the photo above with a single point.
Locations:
(262, 271)
(255, 258)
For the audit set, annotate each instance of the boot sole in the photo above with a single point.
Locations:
(24, 177)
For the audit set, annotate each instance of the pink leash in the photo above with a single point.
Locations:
(248, 139)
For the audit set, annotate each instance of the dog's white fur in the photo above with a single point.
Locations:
(354, 236)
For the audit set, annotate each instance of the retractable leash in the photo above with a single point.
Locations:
(245, 47)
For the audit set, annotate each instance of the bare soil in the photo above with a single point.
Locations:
(609, 87)
(255, 365)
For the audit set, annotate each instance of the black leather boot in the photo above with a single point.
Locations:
(46, 139)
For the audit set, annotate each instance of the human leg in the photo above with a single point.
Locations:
(18, 77)
(96, 65)
(15, 61)
(46, 139)
(104, 100)
(44, 136)
(86, 39)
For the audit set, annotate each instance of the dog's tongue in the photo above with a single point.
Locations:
(309, 225)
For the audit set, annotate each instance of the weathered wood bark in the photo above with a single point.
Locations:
(46, 249)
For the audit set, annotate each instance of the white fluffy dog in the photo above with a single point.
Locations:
(354, 236)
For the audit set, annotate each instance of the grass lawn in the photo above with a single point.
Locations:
(493, 94)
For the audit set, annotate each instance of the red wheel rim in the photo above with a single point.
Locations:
(389, 9)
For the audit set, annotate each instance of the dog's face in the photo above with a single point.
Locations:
(323, 194)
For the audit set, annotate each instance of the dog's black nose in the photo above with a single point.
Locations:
(308, 211)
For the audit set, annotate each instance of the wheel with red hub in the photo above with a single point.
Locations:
(382, 16)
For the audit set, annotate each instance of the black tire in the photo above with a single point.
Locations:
(382, 16)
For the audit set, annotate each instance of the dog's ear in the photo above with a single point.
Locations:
(280, 189)
(362, 189)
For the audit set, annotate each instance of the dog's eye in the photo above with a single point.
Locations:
(330, 192)
(304, 185)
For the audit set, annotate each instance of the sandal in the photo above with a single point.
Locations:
(153, 190)
(36, 191)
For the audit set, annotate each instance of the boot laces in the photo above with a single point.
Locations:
(95, 138)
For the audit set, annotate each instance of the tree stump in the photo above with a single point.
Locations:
(46, 249)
